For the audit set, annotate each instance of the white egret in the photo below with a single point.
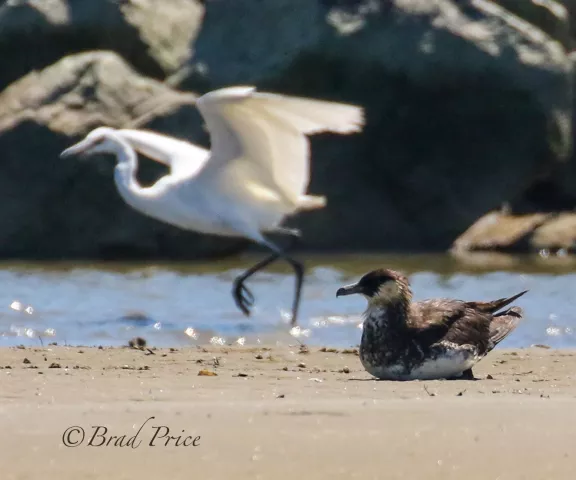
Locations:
(255, 174)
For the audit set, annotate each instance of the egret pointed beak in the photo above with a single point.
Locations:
(81, 148)
(349, 290)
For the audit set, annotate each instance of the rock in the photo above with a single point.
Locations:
(550, 16)
(557, 233)
(499, 231)
(137, 342)
(155, 36)
(466, 104)
(167, 28)
(557, 190)
(67, 208)
(475, 260)
(570, 6)
(244, 42)
(537, 232)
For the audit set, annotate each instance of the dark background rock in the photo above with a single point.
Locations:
(550, 16)
(570, 6)
(154, 36)
(467, 107)
(559, 233)
(555, 188)
(545, 233)
(501, 231)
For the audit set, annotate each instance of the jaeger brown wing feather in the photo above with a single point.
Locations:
(450, 320)
(494, 305)
(503, 324)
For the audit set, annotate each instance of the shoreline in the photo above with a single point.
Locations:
(270, 408)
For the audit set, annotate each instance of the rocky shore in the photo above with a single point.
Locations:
(469, 106)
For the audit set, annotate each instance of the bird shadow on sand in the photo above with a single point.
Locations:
(417, 380)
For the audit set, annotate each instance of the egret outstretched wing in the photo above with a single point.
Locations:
(261, 136)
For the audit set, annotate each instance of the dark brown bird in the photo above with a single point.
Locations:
(431, 339)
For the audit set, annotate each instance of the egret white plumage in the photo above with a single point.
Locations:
(256, 173)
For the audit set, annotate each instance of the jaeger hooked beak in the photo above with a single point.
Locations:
(78, 149)
(349, 290)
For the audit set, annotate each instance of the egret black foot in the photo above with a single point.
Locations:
(243, 297)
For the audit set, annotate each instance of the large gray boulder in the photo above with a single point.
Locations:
(467, 104)
(550, 16)
(570, 6)
(56, 208)
(155, 36)
(545, 233)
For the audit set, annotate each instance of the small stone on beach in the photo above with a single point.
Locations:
(137, 342)
(350, 351)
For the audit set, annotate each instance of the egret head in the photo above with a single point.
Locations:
(100, 140)
(382, 285)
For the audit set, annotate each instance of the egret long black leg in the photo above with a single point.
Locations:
(299, 272)
(242, 295)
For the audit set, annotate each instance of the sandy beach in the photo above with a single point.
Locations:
(279, 413)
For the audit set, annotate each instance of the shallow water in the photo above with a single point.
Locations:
(187, 304)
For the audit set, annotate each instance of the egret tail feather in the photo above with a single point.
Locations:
(310, 202)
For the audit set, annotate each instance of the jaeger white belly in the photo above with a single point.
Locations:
(450, 364)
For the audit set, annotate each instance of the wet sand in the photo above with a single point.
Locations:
(278, 414)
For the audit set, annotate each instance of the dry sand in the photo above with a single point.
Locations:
(281, 414)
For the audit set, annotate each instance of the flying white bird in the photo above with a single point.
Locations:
(255, 175)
